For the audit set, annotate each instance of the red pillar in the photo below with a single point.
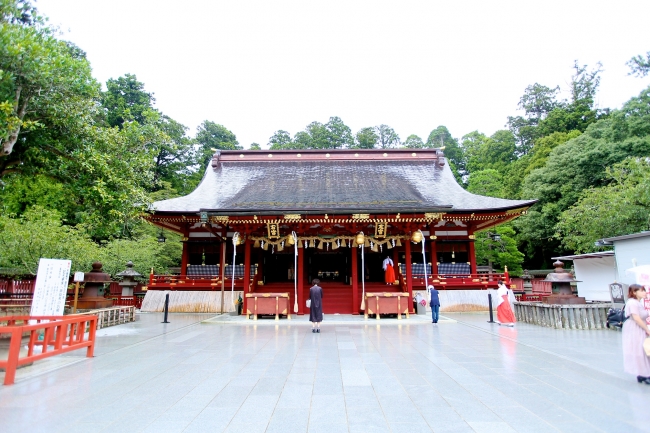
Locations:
(472, 256)
(301, 297)
(355, 281)
(185, 257)
(247, 271)
(434, 258)
(409, 272)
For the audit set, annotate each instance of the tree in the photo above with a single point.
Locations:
(255, 146)
(209, 136)
(413, 142)
(387, 137)
(577, 165)
(41, 78)
(366, 138)
(639, 65)
(619, 208)
(279, 140)
(126, 100)
(339, 135)
(40, 233)
(488, 182)
(501, 251)
(441, 137)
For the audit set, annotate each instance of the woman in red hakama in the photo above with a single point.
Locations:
(389, 272)
(505, 316)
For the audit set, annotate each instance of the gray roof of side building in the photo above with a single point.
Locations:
(348, 185)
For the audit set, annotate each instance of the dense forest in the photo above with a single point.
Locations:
(81, 161)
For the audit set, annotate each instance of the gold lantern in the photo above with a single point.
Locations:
(360, 238)
(416, 236)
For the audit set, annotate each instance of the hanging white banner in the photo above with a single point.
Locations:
(51, 286)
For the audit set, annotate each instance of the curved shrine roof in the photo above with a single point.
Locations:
(335, 181)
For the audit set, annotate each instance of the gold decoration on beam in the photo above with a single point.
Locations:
(273, 230)
(380, 229)
(360, 216)
(433, 215)
(292, 216)
(220, 218)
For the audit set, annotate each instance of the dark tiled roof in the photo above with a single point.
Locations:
(341, 184)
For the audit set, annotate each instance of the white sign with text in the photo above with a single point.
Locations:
(51, 286)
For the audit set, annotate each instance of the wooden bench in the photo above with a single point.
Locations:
(267, 303)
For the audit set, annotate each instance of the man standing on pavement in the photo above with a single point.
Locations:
(434, 303)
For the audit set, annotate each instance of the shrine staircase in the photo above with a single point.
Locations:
(337, 297)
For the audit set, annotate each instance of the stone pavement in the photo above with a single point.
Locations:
(462, 375)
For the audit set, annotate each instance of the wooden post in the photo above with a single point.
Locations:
(76, 295)
(409, 271)
(222, 274)
(472, 256)
(396, 263)
(301, 297)
(355, 282)
(247, 271)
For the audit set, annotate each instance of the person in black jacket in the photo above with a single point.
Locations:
(316, 307)
(435, 303)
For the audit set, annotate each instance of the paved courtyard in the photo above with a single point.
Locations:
(462, 375)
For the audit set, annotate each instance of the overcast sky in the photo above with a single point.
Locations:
(259, 66)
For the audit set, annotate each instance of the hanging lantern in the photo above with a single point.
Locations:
(290, 240)
(416, 237)
(360, 238)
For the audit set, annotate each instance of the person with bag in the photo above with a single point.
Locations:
(315, 305)
(434, 303)
(635, 332)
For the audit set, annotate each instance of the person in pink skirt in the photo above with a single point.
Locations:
(635, 330)
(505, 316)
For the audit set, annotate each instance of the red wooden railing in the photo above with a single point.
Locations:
(17, 288)
(128, 301)
(61, 334)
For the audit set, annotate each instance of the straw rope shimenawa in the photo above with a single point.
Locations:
(189, 301)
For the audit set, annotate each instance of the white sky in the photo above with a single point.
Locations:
(259, 66)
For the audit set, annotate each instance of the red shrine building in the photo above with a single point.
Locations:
(264, 224)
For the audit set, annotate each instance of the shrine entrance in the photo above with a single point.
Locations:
(328, 266)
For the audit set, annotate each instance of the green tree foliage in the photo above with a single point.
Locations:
(211, 136)
(280, 140)
(414, 142)
(579, 164)
(255, 146)
(366, 138)
(499, 253)
(40, 233)
(639, 65)
(126, 100)
(387, 137)
(441, 137)
(488, 182)
(619, 208)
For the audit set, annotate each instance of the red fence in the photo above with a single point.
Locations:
(542, 287)
(128, 301)
(17, 288)
(61, 334)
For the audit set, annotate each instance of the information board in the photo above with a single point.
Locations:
(51, 286)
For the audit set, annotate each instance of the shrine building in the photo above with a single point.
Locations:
(262, 223)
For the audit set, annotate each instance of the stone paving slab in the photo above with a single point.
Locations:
(461, 376)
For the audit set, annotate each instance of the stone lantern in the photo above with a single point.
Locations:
(562, 280)
(128, 282)
(94, 281)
